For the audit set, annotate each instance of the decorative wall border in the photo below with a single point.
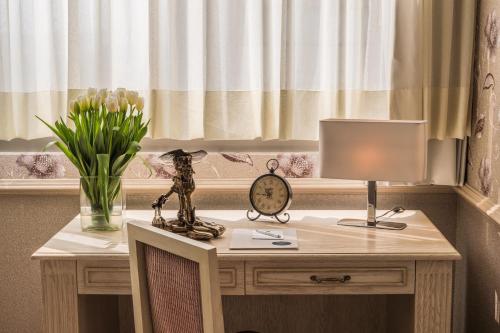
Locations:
(52, 173)
(148, 165)
(484, 204)
(242, 185)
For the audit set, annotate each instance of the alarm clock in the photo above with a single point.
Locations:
(270, 195)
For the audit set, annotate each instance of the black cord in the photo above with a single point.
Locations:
(394, 211)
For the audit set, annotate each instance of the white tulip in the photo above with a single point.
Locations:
(103, 93)
(140, 103)
(95, 102)
(132, 97)
(91, 92)
(123, 104)
(84, 103)
(121, 92)
(112, 103)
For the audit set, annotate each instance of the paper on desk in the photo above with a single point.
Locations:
(241, 239)
(83, 240)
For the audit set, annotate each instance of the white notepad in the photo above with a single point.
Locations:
(241, 239)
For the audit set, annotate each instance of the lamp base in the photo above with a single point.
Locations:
(364, 224)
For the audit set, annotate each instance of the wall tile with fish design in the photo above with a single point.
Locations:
(226, 165)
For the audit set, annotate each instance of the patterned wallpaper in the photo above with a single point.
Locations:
(483, 169)
(149, 165)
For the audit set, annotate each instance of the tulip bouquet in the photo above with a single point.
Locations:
(108, 127)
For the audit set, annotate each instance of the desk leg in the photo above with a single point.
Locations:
(433, 288)
(59, 296)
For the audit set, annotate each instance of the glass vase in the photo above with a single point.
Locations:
(102, 203)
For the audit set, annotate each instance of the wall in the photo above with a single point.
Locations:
(478, 226)
(29, 220)
(483, 171)
(478, 241)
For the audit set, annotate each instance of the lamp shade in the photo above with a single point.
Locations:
(385, 150)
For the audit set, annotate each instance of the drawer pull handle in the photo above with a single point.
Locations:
(342, 279)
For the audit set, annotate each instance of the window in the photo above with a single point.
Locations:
(218, 70)
(239, 74)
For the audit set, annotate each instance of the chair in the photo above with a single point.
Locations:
(175, 282)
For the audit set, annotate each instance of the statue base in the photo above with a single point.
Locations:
(199, 230)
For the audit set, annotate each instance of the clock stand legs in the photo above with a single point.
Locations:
(277, 217)
(249, 212)
(286, 215)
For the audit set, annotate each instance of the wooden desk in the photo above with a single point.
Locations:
(416, 262)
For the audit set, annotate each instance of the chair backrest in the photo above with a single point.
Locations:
(175, 283)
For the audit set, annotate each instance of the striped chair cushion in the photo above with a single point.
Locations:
(174, 292)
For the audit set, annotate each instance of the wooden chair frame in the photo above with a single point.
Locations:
(206, 257)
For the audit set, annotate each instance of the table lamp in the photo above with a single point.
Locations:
(373, 150)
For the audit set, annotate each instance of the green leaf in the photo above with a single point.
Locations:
(133, 148)
(71, 157)
(117, 164)
(48, 145)
(141, 133)
(124, 166)
(123, 160)
(52, 128)
(102, 182)
(99, 144)
(80, 154)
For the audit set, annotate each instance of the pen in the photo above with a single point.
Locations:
(269, 233)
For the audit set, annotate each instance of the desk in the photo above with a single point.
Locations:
(416, 262)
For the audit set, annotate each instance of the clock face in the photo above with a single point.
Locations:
(270, 194)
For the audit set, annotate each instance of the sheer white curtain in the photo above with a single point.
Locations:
(213, 69)
(33, 65)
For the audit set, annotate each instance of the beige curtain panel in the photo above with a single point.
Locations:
(240, 70)
(432, 65)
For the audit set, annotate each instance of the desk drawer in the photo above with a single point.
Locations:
(274, 278)
(112, 277)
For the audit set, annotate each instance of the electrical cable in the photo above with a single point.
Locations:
(395, 210)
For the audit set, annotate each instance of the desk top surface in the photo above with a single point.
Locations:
(319, 236)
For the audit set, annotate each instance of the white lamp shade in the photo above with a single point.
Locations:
(385, 150)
